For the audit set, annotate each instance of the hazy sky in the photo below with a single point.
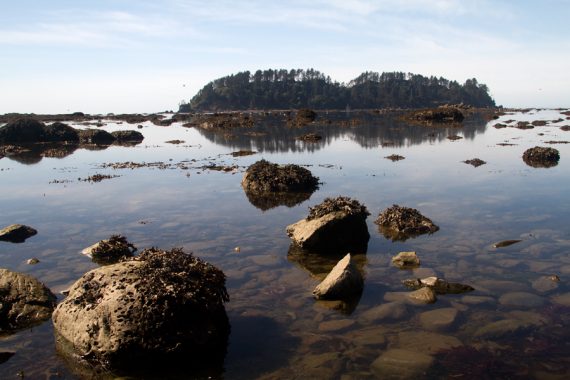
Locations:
(145, 56)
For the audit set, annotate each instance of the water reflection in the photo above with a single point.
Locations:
(267, 201)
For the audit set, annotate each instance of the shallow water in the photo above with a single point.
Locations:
(278, 330)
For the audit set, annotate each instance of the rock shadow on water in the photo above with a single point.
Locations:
(258, 345)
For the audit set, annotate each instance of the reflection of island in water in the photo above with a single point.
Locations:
(369, 130)
(31, 154)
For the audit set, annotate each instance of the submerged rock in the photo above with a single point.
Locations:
(24, 301)
(540, 157)
(110, 251)
(342, 282)
(423, 295)
(438, 319)
(17, 233)
(159, 306)
(336, 224)
(401, 364)
(406, 260)
(440, 285)
(401, 223)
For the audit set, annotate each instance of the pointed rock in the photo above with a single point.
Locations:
(343, 281)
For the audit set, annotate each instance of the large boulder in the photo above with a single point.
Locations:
(17, 233)
(266, 177)
(336, 224)
(401, 223)
(541, 157)
(342, 282)
(24, 301)
(156, 307)
(21, 131)
(60, 132)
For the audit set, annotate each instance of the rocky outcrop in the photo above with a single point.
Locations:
(110, 251)
(160, 305)
(60, 132)
(336, 224)
(540, 157)
(127, 136)
(17, 233)
(443, 114)
(96, 136)
(21, 131)
(401, 223)
(266, 177)
(342, 282)
(24, 301)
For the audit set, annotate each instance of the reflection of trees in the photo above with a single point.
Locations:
(367, 129)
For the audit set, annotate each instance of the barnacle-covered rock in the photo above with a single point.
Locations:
(541, 157)
(401, 223)
(161, 305)
(110, 251)
(336, 224)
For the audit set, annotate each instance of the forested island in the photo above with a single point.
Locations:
(285, 89)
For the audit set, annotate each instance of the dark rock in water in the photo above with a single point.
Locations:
(128, 136)
(222, 121)
(242, 153)
(162, 306)
(96, 136)
(60, 132)
(395, 157)
(264, 176)
(24, 301)
(476, 162)
(17, 233)
(401, 223)
(5, 356)
(110, 251)
(335, 225)
(444, 114)
(439, 285)
(539, 157)
(524, 125)
(505, 243)
(500, 125)
(565, 128)
(21, 131)
(342, 282)
(539, 123)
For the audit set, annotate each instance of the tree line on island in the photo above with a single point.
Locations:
(283, 89)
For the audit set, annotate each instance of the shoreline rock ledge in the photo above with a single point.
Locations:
(335, 225)
(154, 309)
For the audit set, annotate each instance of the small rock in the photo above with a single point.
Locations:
(386, 311)
(401, 364)
(438, 319)
(476, 300)
(501, 328)
(395, 157)
(505, 243)
(343, 281)
(336, 325)
(32, 261)
(426, 342)
(521, 299)
(545, 284)
(539, 157)
(372, 336)
(405, 260)
(440, 285)
(110, 251)
(476, 162)
(424, 295)
(17, 233)
(401, 223)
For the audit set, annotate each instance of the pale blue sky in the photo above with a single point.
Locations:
(145, 56)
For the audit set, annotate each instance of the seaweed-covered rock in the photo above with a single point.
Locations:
(21, 131)
(401, 223)
(96, 136)
(24, 301)
(60, 132)
(540, 157)
(110, 251)
(443, 114)
(161, 306)
(343, 281)
(17, 233)
(264, 176)
(128, 136)
(336, 224)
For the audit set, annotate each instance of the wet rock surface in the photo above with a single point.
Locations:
(440, 285)
(540, 157)
(423, 295)
(401, 223)
(342, 282)
(438, 319)
(336, 224)
(24, 301)
(406, 260)
(110, 251)
(401, 364)
(264, 176)
(159, 306)
(17, 233)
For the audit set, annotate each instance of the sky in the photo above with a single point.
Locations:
(126, 56)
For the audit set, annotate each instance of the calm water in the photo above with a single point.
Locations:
(278, 330)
